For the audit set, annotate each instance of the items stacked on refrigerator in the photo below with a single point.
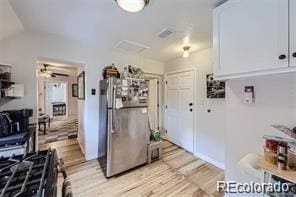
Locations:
(131, 72)
(110, 72)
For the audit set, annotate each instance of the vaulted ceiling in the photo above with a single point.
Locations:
(9, 22)
(103, 24)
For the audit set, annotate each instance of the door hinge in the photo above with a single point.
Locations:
(166, 82)
(158, 105)
(166, 106)
(166, 131)
(157, 82)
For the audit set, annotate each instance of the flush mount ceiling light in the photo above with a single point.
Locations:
(186, 51)
(132, 5)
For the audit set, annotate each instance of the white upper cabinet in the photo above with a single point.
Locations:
(251, 37)
(293, 32)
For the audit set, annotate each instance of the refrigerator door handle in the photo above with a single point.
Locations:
(113, 129)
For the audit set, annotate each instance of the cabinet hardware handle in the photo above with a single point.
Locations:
(190, 104)
(281, 57)
(294, 54)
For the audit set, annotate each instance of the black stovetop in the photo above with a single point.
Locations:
(33, 174)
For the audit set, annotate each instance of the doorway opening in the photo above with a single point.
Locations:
(56, 99)
(154, 110)
(58, 105)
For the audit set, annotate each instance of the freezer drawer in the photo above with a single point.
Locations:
(128, 136)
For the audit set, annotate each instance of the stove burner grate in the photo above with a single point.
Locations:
(27, 175)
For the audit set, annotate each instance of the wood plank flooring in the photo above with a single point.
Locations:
(179, 173)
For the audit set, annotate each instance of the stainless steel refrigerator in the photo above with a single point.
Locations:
(124, 132)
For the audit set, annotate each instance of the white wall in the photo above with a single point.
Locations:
(23, 50)
(1, 51)
(210, 126)
(246, 124)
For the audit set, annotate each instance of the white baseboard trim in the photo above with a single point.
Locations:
(80, 145)
(90, 157)
(87, 157)
(210, 160)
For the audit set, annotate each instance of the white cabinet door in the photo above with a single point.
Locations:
(293, 33)
(250, 35)
(179, 112)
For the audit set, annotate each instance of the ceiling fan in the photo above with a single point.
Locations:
(44, 72)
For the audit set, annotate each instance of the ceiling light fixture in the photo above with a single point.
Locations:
(186, 40)
(45, 75)
(186, 51)
(132, 5)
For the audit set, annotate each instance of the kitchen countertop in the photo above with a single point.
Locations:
(288, 174)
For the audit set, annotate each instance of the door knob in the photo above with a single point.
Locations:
(281, 57)
(191, 110)
(190, 104)
(294, 54)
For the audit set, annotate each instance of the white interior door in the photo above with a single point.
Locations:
(153, 104)
(179, 108)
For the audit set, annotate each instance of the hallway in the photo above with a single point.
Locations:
(59, 130)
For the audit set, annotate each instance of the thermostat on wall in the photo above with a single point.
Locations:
(249, 96)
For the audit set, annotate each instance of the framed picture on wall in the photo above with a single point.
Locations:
(81, 85)
(75, 90)
(215, 89)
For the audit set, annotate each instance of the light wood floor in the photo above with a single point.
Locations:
(179, 173)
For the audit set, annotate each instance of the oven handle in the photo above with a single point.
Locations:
(66, 188)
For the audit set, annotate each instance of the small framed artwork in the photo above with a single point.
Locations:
(75, 90)
(81, 85)
(215, 89)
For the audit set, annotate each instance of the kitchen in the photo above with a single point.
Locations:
(219, 127)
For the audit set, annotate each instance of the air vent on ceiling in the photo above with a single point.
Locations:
(165, 33)
(130, 46)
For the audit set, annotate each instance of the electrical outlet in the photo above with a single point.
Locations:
(93, 91)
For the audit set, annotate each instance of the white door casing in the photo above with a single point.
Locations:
(180, 113)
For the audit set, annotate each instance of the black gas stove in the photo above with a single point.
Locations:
(31, 175)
